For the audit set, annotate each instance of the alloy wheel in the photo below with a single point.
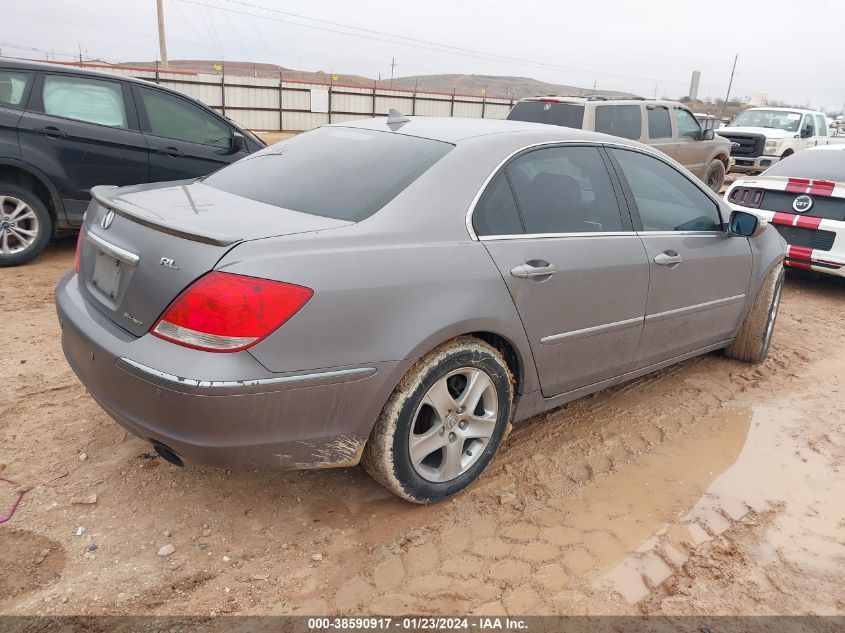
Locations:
(453, 424)
(18, 225)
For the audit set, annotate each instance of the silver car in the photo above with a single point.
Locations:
(397, 292)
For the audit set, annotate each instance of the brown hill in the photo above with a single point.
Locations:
(495, 86)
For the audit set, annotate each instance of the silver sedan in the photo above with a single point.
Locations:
(397, 292)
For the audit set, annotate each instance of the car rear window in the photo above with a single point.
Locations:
(13, 88)
(334, 172)
(620, 120)
(565, 114)
(817, 164)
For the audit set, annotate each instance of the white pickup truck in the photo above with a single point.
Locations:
(760, 137)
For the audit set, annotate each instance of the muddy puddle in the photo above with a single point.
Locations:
(660, 508)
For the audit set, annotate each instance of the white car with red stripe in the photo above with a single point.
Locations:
(803, 196)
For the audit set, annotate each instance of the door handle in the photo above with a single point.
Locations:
(51, 131)
(668, 258)
(170, 151)
(536, 269)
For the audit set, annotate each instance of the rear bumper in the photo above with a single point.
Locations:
(752, 164)
(830, 261)
(223, 410)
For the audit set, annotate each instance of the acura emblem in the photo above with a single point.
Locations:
(108, 218)
(802, 204)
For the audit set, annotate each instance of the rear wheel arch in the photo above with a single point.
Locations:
(37, 183)
(509, 352)
(519, 360)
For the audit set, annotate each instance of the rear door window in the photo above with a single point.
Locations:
(659, 124)
(666, 199)
(821, 125)
(84, 99)
(564, 190)
(496, 213)
(334, 172)
(170, 116)
(620, 120)
(550, 112)
(14, 87)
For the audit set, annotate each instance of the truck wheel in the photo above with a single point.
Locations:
(25, 225)
(443, 423)
(715, 177)
(754, 338)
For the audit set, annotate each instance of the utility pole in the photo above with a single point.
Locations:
(392, 64)
(162, 44)
(730, 83)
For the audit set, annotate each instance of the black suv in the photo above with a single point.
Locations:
(64, 130)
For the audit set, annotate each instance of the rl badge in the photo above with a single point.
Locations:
(802, 204)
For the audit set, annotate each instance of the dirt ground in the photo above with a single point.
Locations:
(712, 487)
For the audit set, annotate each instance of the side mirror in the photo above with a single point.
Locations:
(806, 132)
(238, 142)
(708, 135)
(746, 224)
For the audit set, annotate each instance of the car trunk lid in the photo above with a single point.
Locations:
(141, 246)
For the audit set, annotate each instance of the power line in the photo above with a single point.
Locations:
(372, 34)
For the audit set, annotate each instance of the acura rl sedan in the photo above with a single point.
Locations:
(397, 291)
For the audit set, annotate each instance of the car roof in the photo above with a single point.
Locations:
(62, 68)
(456, 129)
(779, 109)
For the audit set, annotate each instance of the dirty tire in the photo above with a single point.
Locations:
(387, 455)
(715, 176)
(41, 221)
(755, 336)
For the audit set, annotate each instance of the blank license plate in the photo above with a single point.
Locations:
(107, 274)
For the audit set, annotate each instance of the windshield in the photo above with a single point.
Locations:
(334, 172)
(778, 119)
(565, 114)
(817, 164)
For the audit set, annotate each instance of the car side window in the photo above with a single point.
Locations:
(666, 199)
(619, 120)
(659, 125)
(84, 99)
(809, 124)
(564, 190)
(821, 125)
(172, 117)
(688, 126)
(13, 88)
(496, 213)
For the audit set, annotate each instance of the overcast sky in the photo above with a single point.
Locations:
(789, 50)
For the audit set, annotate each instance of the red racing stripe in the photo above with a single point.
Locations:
(822, 188)
(808, 222)
(799, 252)
(794, 264)
(797, 185)
(783, 218)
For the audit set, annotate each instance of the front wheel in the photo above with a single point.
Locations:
(25, 225)
(443, 423)
(754, 338)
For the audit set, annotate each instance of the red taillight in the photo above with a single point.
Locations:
(224, 312)
(78, 249)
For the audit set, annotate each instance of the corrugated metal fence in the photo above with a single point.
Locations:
(276, 104)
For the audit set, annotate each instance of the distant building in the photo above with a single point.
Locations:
(759, 99)
(693, 86)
